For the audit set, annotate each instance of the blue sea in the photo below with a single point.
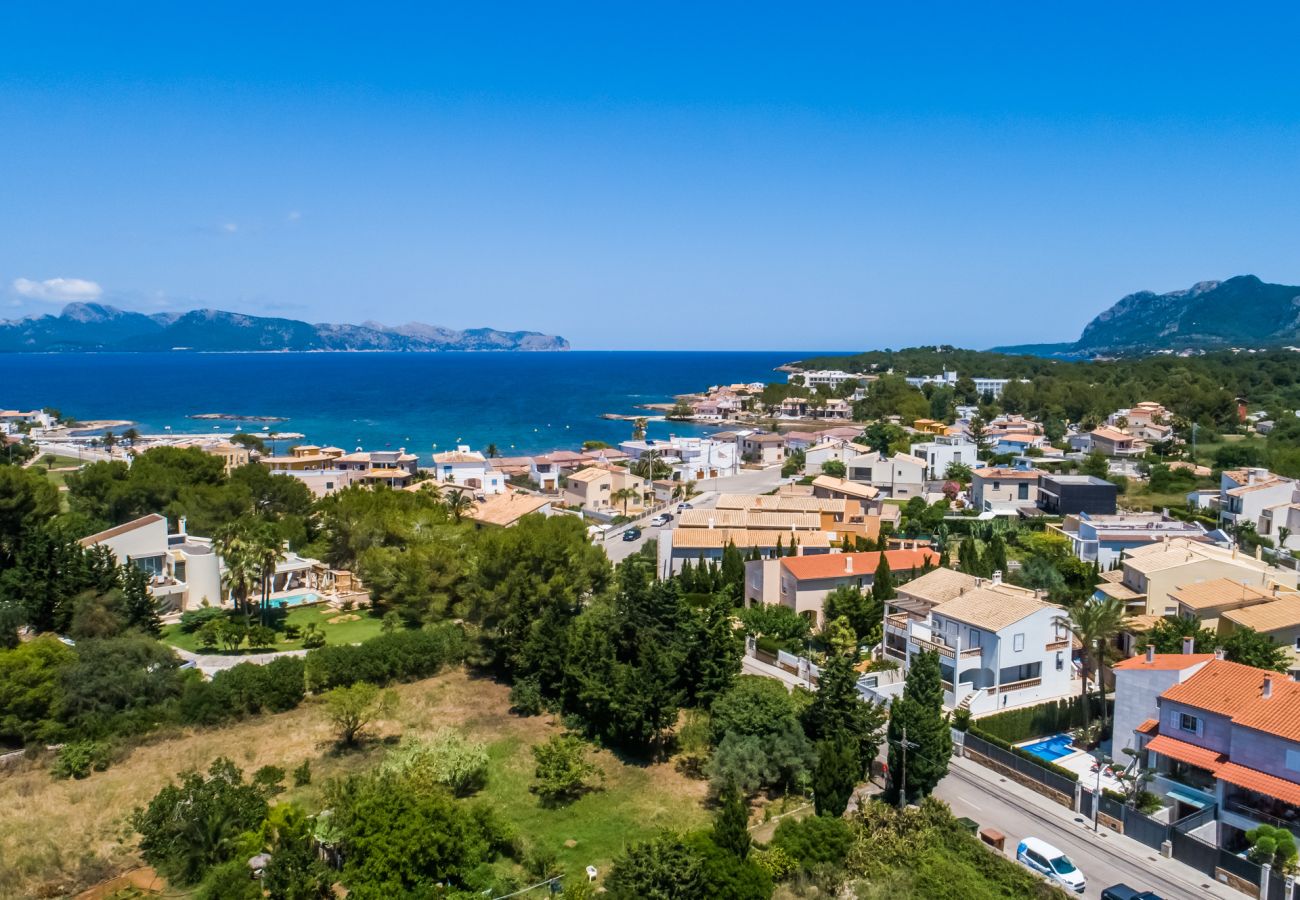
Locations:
(522, 402)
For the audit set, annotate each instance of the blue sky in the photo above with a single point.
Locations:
(648, 176)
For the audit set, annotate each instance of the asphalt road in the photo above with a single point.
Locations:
(1105, 858)
(748, 481)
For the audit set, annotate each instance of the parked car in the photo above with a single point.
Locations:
(682, 506)
(1051, 863)
(1124, 892)
(661, 519)
(632, 534)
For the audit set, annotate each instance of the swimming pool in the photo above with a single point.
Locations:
(295, 600)
(1051, 748)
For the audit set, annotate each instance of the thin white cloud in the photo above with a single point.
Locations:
(293, 216)
(230, 227)
(58, 290)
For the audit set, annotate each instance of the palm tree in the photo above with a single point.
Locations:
(1283, 535)
(430, 489)
(267, 552)
(689, 490)
(110, 440)
(458, 503)
(624, 495)
(131, 435)
(492, 451)
(237, 552)
(1095, 624)
(638, 428)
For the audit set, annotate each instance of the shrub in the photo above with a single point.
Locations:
(302, 774)
(194, 619)
(814, 840)
(261, 636)
(78, 759)
(269, 780)
(1028, 722)
(526, 697)
(778, 864)
(447, 759)
(400, 656)
(562, 769)
(313, 636)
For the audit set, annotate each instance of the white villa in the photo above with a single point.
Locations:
(469, 469)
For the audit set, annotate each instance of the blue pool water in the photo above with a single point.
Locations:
(296, 600)
(1052, 748)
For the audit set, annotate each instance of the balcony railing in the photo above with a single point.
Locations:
(1238, 805)
(896, 653)
(1016, 685)
(941, 649)
(1057, 645)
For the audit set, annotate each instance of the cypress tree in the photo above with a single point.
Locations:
(732, 569)
(731, 827)
(996, 558)
(834, 776)
(882, 585)
(138, 607)
(920, 712)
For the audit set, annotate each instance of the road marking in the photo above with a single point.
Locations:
(968, 803)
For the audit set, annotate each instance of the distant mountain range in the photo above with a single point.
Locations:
(1240, 312)
(96, 326)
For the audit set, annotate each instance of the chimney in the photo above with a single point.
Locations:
(997, 577)
(1189, 645)
(1151, 654)
(180, 526)
(1268, 686)
(1259, 551)
(1219, 654)
(848, 563)
(710, 521)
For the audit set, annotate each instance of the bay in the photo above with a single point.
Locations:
(522, 402)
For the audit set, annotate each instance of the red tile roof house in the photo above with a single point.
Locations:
(804, 581)
(1227, 735)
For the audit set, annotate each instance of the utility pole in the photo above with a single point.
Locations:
(902, 787)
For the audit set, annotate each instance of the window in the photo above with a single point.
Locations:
(974, 639)
(1293, 760)
(1297, 644)
(1018, 642)
(1060, 662)
(1187, 722)
(1022, 492)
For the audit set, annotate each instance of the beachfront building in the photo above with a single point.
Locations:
(1103, 539)
(690, 458)
(1003, 490)
(12, 420)
(394, 468)
(831, 379)
(944, 451)
(802, 582)
(763, 448)
(999, 646)
(469, 469)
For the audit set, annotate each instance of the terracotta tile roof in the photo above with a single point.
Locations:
(507, 508)
(713, 538)
(1259, 486)
(1164, 662)
(835, 565)
(1273, 615)
(1147, 727)
(938, 586)
(590, 474)
(1261, 782)
(1236, 691)
(780, 503)
(1118, 591)
(991, 608)
(1111, 434)
(844, 486)
(1115, 575)
(1191, 754)
(749, 518)
(459, 456)
(121, 529)
(1217, 592)
(1141, 622)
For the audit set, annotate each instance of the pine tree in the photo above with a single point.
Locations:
(838, 710)
(731, 827)
(919, 712)
(687, 577)
(996, 558)
(882, 585)
(138, 606)
(834, 778)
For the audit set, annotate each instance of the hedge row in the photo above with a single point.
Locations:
(1045, 719)
(400, 656)
(1023, 754)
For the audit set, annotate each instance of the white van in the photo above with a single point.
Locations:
(1051, 863)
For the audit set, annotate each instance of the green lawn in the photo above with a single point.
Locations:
(340, 628)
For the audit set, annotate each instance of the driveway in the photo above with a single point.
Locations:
(209, 663)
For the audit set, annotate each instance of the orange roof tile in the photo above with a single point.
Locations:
(1164, 662)
(1187, 753)
(1252, 780)
(1147, 727)
(1236, 691)
(834, 565)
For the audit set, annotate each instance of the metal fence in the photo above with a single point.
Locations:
(1028, 768)
(1085, 803)
(1145, 829)
(1194, 852)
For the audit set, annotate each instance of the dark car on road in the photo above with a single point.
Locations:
(631, 534)
(1124, 892)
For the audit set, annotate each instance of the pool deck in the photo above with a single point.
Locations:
(1080, 762)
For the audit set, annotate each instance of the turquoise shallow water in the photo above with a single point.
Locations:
(523, 402)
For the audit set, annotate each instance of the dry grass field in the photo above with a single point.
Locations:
(58, 837)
